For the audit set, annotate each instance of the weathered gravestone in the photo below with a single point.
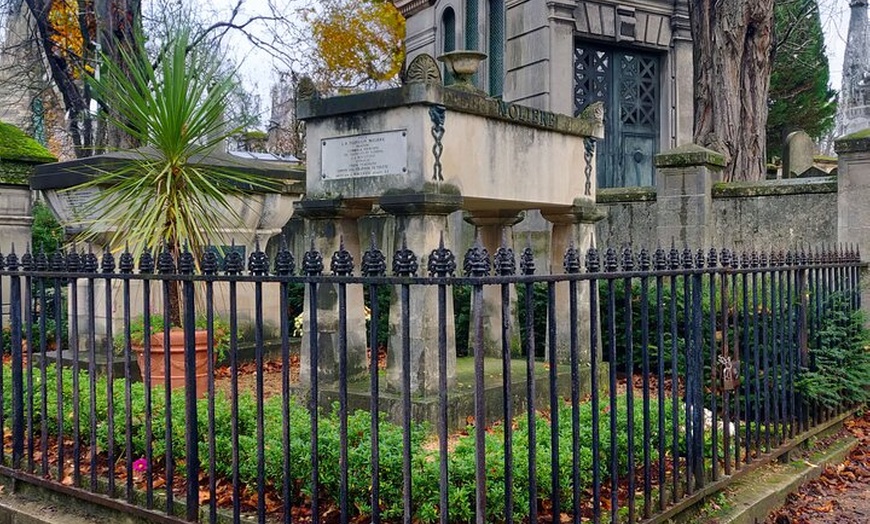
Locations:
(798, 154)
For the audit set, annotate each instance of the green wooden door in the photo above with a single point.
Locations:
(628, 82)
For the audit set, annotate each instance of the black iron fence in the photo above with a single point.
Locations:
(700, 364)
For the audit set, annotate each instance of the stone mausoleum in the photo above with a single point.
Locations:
(635, 56)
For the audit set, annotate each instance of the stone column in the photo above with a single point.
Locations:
(684, 185)
(495, 228)
(421, 220)
(560, 15)
(328, 223)
(853, 195)
(682, 95)
(574, 226)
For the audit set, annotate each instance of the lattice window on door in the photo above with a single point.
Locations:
(638, 90)
(591, 77)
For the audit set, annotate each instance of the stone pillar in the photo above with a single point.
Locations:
(328, 223)
(560, 15)
(684, 183)
(853, 195)
(421, 219)
(682, 92)
(574, 226)
(495, 228)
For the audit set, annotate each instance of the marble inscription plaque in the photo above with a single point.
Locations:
(372, 154)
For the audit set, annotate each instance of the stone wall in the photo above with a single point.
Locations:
(774, 214)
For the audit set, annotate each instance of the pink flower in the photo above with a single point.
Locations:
(140, 465)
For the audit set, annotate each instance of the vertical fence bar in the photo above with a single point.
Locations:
(592, 266)
(405, 265)
(698, 364)
(57, 263)
(42, 265)
(3, 386)
(407, 494)
(505, 265)
(765, 347)
(735, 351)
(208, 267)
(673, 264)
(125, 266)
(442, 263)
(791, 346)
(17, 361)
(479, 403)
(645, 371)
(107, 266)
(233, 266)
(775, 308)
(724, 355)
(27, 265)
(554, 401)
(691, 409)
(610, 266)
(90, 266)
(374, 265)
(527, 266)
(312, 265)
(191, 431)
(747, 382)
(628, 265)
(284, 267)
(258, 266)
(756, 355)
(660, 262)
(146, 266)
(572, 266)
(165, 267)
(714, 385)
(342, 265)
(73, 262)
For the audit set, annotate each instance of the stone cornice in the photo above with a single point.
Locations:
(409, 8)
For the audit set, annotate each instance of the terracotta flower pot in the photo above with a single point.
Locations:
(176, 360)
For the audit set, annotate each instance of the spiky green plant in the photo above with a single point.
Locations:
(165, 196)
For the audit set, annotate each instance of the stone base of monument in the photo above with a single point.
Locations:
(460, 399)
(101, 362)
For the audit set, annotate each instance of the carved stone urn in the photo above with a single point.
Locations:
(462, 65)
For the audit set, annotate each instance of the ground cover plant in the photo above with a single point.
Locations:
(425, 464)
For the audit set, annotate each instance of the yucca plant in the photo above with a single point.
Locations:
(165, 197)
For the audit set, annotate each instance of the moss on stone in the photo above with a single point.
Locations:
(690, 155)
(615, 195)
(775, 187)
(17, 146)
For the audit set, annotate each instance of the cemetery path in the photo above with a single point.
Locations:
(841, 495)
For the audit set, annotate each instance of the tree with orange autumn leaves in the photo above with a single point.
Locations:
(357, 43)
(345, 45)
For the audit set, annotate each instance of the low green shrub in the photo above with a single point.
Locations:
(425, 461)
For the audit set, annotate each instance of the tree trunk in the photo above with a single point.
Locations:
(117, 24)
(733, 42)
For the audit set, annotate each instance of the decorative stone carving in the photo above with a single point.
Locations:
(423, 69)
(306, 89)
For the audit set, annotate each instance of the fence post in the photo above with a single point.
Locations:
(684, 183)
(17, 364)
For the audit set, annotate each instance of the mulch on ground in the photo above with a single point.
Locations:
(841, 495)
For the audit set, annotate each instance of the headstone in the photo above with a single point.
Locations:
(813, 172)
(798, 154)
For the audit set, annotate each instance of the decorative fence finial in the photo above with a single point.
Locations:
(405, 261)
(442, 261)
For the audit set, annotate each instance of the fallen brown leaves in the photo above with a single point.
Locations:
(839, 495)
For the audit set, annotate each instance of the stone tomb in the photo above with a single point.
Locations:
(421, 152)
(261, 215)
